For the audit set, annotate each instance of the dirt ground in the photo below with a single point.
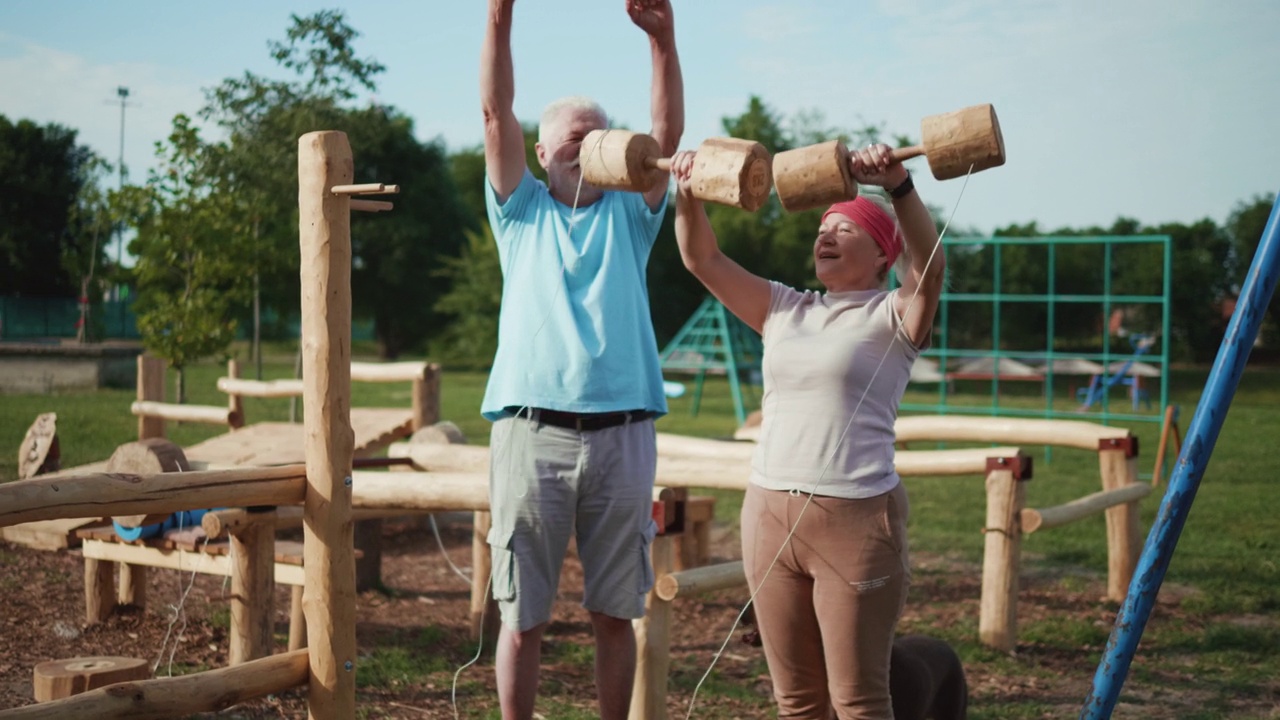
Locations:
(42, 602)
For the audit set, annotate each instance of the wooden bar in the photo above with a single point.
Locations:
(1078, 509)
(702, 579)
(178, 559)
(426, 397)
(297, 619)
(653, 643)
(998, 609)
(364, 189)
(181, 696)
(211, 414)
(151, 372)
(260, 388)
(406, 371)
(1013, 431)
(421, 491)
(252, 592)
(105, 494)
(324, 221)
(235, 403)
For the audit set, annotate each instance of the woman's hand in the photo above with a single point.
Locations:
(874, 165)
(682, 171)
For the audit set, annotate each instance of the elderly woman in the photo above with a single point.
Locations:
(828, 599)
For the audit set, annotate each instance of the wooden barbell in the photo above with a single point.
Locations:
(954, 142)
(729, 171)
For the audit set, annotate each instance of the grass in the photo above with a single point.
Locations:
(1218, 641)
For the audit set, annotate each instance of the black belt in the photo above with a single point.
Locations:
(582, 422)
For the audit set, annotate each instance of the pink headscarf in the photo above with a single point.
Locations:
(875, 221)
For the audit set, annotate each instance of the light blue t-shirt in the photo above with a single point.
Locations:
(574, 333)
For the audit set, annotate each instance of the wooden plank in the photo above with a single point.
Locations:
(47, 534)
(282, 443)
(177, 559)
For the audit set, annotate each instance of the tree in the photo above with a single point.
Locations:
(188, 269)
(91, 223)
(1244, 227)
(42, 170)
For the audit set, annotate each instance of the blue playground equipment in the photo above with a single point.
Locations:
(1100, 385)
(1202, 435)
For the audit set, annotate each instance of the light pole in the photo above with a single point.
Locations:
(123, 93)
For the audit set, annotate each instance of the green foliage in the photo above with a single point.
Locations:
(189, 269)
(42, 171)
(473, 300)
(1244, 226)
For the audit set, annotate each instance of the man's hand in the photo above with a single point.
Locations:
(652, 16)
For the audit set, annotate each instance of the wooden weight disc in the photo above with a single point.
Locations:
(620, 160)
(956, 140)
(57, 679)
(146, 457)
(814, 176)
(732, 171)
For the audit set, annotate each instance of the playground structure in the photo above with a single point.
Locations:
(327, 489)
(713, 340)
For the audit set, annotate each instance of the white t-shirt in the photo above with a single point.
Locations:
(820, 352)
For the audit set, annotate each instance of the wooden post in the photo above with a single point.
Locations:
(150, 389)
(324, 222)
(99, 590)
(253, 590)
(297, 620)
(426, 397)
(653, 642)
(133, 586)
(235, 402)
(998, 611)
(1118, 462)
(484, 608)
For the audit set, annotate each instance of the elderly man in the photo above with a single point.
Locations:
(576, 383)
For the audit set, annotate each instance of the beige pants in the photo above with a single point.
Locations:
(828, 608)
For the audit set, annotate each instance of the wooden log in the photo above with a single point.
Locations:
(132, 586)
(39, 452)
(406, 371)
(222, 522)
(324, 161)
(364, 189)
(260, 388)
(253, 590)
(297, 619)
(420, 491)
(1119, 467)
(1051, 517)
(998, 610)
(90, 495)
(1013, 431)
(210, 414)
(151, 372)
(146, 457)
(653, 643)
(99, 590)
(701, 579)
(181, 696)
(57, 679)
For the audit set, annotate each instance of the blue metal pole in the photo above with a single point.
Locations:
(1202, 434)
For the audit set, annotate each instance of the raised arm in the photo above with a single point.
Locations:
(917, 302)
(504, 154)
(743, 293)
(667, 91)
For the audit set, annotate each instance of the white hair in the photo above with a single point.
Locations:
(551, 114)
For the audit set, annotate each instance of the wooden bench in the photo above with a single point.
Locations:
(190, 550)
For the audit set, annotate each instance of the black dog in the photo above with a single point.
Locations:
(926, 680)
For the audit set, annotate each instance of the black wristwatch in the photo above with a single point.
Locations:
(904, 189)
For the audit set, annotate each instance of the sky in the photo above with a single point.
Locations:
(1158, 110)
